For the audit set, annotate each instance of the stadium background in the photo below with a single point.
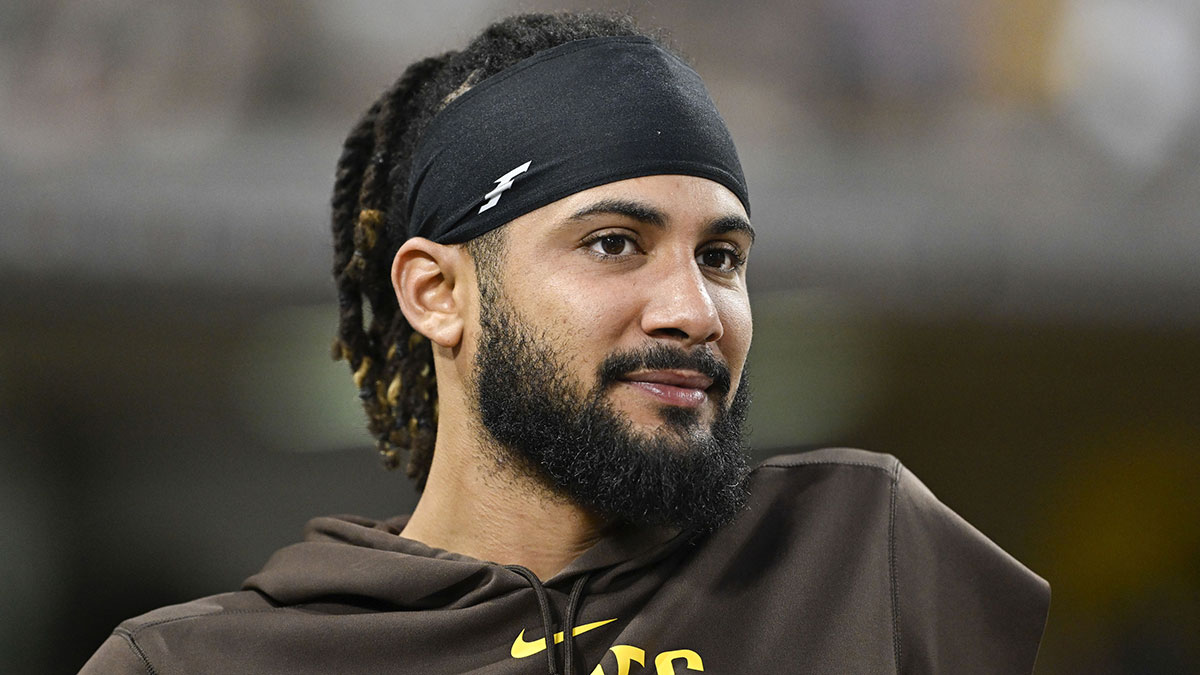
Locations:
(978, 250)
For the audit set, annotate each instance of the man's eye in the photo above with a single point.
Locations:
(613, 244)
(721, 259)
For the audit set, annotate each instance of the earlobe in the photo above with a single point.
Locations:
(423, 275)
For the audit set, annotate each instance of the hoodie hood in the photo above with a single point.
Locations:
(344, 557)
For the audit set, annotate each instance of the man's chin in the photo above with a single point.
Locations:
(622, 456)
(678, 437)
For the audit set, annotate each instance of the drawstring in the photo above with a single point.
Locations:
(569, 624)
(543, 604)
(548, 618)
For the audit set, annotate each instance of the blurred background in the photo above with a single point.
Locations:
(979, 250)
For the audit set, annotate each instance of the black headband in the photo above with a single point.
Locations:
(572, 117)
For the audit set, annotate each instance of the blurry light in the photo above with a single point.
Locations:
(1128, 75)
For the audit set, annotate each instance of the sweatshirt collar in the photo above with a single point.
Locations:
(355, 556)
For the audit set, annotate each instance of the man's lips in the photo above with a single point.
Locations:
(683, 388)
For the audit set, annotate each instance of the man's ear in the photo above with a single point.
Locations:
(424, 274)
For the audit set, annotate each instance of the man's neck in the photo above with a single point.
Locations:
(478, 507)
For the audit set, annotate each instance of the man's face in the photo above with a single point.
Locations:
(612, 345)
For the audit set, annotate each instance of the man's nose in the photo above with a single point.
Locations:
(680, 307)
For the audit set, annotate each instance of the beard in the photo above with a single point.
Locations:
(683, 474)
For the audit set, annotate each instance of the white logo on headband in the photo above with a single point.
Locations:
(505, 182)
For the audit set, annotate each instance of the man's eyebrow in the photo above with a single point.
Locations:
(638, 211)
(649, 215)
(732, 223)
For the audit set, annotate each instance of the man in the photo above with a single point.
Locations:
(550, 230)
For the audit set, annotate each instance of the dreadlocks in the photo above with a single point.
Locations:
(392, 364)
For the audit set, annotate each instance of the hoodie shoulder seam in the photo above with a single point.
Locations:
(893, 468)
(131, 634)
(133, 645)
(831, 462)
(893, 576)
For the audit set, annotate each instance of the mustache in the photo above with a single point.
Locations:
(666, 357)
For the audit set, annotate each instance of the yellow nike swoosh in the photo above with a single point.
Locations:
(521, 648)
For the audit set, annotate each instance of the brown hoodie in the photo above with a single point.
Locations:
(843, 562)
